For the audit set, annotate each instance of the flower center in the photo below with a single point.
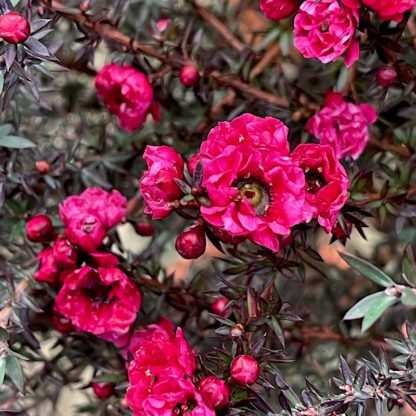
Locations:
(180, 408)
(324, 27)
(95, 290)
(255, 193)
(314, 180)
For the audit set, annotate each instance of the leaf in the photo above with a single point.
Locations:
(16, 142)
(5, 129)
(364, 305)
(408, 297)
(2, 370)
(14, 371)
(368, 270)
(409, 266)
(376, 311)
(37, 48)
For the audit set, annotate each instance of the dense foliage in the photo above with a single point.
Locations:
(207, 207)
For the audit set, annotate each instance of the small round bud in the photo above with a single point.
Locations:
(103, 390)
(144, 228)
(39, 229)
(14, 28)
(189, 76)
(279, 9)
(85, 6)
(191, 243)
(43, 167)
(219, 306)
(386, 76)
(214, 392)
(245, 369)
(62, 324)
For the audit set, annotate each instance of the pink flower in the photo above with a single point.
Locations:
(245, 369)
(390, 9)
(40, 229)
(126, 92)
(325, 31)
(214, 391)
(14, 28)
(260, 133)
(343, 125)
(166, 397)
(103, 301)
(326, 183)
(88, 217)
(255, 191)
(48, 271)
(110, 208)
(157, 185)
(279, 9)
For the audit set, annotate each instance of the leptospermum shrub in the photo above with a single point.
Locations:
(207, 207)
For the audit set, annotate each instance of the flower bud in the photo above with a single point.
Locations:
(66, 255)
(103, 390)
(189, 76)
(214, 392)
(62, 324)
(48, 271)
(191, 243)
(192, 162)
(85, 6)
(279, 9)
(340, 233)
(39, 229)
(218, 306)
(162, 24)
(14, 28)
(245, 369)
(237, 330)
(386, 76)
(43, 167)
(144, 228)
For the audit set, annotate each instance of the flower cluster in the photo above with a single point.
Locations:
(343, 125)
(95, 295)
(256, 189)
(127, 93)
(162, 375)
(326, 29)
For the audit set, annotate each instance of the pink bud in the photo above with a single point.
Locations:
(43, 166)
(218, 306)
(191, 243)
(245, 369)
(162, 24)
(192, 162)
(14, 28)
(103, 390)
(62, 324)
(66, 255)
(214, 392)
(189, 76)
(386, 76)
(40, 229)
(144, 228)
(279, 9)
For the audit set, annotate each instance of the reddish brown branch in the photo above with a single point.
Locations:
(129, 44)
(386, 145)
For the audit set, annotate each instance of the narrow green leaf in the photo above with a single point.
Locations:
(16, 142)
(376, 311)
(368, 270)
(14, 371)
(2, 370)
(360, 309)
(408, 297)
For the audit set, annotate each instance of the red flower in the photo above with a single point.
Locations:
(102, 301)
(40, 229)
(157, 185)
(255, 191)
(126, 92)
(14, 28)
(214, 391)
(279, 9)
(245, 369)
(326, 183)
(48, 271)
